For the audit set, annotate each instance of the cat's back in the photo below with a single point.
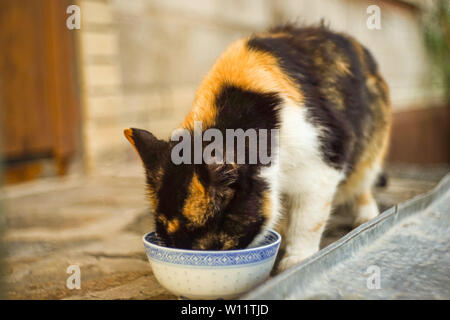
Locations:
(341, 87)
(330, 75)
(312, 65)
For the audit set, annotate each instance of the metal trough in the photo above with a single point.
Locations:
(404, 253)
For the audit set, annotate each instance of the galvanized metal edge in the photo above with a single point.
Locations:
(296, 278)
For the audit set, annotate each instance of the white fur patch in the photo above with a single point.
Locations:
(301, 163)
(366, 212)
(308, 182)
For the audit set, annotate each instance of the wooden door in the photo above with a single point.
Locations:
(39, 107)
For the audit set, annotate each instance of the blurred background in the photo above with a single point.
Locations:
(66, 96)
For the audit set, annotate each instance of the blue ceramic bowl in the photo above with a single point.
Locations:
(210, 274)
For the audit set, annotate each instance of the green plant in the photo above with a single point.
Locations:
(437, 37)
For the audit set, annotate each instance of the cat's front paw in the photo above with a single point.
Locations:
(288, 262)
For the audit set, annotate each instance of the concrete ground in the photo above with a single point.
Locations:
(97, 223)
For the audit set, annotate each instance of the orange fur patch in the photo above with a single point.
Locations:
(229, 242)
(363, 199)
(129, 135)
(267, 205)
(318, 226)
(273, 35)
(247, 69)
(343, 67)
(196, 204)
(173, 225)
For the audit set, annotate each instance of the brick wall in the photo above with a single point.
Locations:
(101, 84)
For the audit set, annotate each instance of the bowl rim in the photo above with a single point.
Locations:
(277, 242)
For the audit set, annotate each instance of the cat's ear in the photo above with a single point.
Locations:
(150, 149)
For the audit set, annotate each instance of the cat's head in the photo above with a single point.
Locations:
(197, 206)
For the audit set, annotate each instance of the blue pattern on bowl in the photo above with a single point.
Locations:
(266, 249)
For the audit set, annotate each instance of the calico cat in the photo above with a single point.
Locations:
(322, 90)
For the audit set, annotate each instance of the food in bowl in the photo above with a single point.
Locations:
(212, 274)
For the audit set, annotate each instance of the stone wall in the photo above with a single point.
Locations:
(143, 59)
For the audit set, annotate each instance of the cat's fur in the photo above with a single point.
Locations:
(324, 93)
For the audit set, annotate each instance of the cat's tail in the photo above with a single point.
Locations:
(382, 180)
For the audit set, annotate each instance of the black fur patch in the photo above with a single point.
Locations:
(307, 55)
(243, 109)
(239, 108)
